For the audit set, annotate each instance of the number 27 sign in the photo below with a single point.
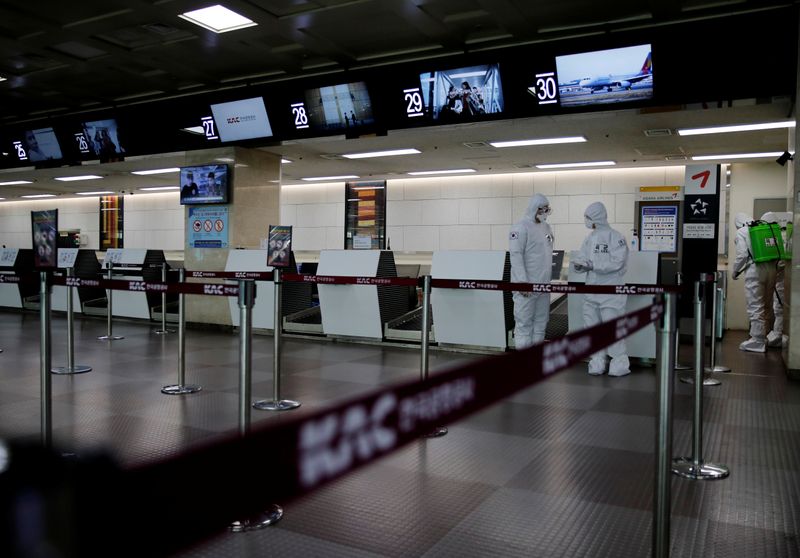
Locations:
(701, 179)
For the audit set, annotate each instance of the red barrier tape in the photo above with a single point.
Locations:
(566, 288)
(259, 275)
(303, 453)
(342, 280)
(149, 286)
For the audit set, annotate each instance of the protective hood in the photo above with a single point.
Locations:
(770, 217)
(536, 202)
(740, 220)
(596, 214)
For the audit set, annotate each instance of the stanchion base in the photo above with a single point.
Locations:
(77, 369)
(1, 350)
(264, 519)
(272, 405)
(178, 389)
(679, 366)
(437, 432)
(163, 331)
(720, 368)
(110, 337)
(685, 467)
(707, 381)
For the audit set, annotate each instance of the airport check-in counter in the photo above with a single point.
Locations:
(359, 310)
(10, 295)
(130, 265)
(294, 296)
(642, 269)
(474, 318)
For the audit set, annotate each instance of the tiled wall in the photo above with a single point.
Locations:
(151, 220)
(473, 212)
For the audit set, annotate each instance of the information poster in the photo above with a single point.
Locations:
(44, 228)
(8, 256)
(67, 257)
(280, 246)
(698, 230)
(660, 193)
(207, 227)
(659, 229)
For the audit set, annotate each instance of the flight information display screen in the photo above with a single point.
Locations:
(333, 108)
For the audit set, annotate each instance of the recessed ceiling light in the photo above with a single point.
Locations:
(285, 161)
(320, 178)
(218, 19)
(736, 156)
(736, 128)
(3, 79)
(585, 164)
(225, 159)
(15, 182)
(100, 193)
(156, 171)
(368, 188)
(39, 196)
(159, 188)
(388, 153)
(78, 177)
(449, 171)
(199, 130)
(543, 141)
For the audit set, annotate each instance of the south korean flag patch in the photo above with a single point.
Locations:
(513, 235)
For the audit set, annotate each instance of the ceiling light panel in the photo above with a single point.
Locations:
(35, 196)
(737, 156)
(156, 171)
(322, 178)
(16, 182)
(100, 193)
(78, 177)
(542, 141)
(736, 128)
(576, 165)
(218, 19)
(387, 153)
(447, 171)
(160, 188)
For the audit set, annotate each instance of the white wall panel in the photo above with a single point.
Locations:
(494, 211)
(440, 212)
(466, 237)
(421, 239)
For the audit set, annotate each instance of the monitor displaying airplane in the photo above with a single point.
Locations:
(606, 76)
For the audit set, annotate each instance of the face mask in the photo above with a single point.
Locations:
(543, 213)
(588, 222)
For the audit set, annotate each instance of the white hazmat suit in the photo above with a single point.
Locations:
(604, 258)
(530, 246)
(775, 337)
(759, 286)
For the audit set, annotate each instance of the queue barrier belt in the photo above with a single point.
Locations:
(287, 459)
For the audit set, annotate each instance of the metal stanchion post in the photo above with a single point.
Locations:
(71, 367)
(247, 295)
(181, 388)
(109, 311)
(678, 366)
(694, 467)
(45, 357)
(163, 330)
(276, 403)
(664, 385)
(715, 301)
(426, 333)
(699, 334)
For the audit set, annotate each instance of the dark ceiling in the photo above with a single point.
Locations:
(63, 56)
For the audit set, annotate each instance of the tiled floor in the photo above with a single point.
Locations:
(562, 469)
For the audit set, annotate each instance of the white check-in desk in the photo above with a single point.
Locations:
(127, 264)
(478, 318)
(358, 310)
(9, 292)
(264, 307)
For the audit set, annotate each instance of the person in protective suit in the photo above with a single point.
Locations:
(759, 286)
(604, 258)
(775, 337)
(531, 249)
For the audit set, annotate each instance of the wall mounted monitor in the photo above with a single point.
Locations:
(462, 94)
(242, 120)
(333, 108)
(617, 75)
(205, 184)
(37, 146)
(100, 138)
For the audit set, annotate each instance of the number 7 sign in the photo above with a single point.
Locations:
(701, 179)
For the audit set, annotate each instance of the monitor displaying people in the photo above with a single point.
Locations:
(463, 93)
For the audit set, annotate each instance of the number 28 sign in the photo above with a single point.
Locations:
(701, 179)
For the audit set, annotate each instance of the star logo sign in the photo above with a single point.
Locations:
(699, 207)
